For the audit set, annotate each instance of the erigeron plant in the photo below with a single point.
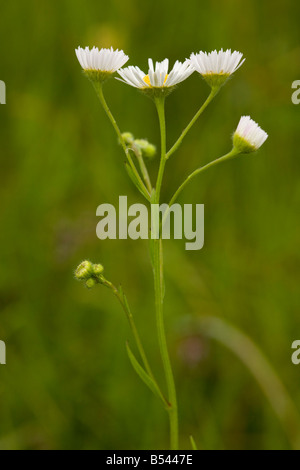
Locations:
(158, 83)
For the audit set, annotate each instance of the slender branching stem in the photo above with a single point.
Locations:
(123, 301)
(99, 90)
(212, 94)
(233, 153)
(158, 284)
(143, 167)
(160, 106)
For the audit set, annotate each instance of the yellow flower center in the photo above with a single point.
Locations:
(147, 79)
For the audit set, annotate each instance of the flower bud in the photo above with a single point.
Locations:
(248, 136)
(84, 270)
(128, 138)
(148, 150)
(91, 282)
(98, 269)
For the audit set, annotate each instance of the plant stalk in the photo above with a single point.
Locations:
(158, 285)
(212, 94)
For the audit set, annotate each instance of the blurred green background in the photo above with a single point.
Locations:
(68, 383)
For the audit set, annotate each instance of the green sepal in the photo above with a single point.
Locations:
(216, 80)
(242, 145)
(97, 76)
(157, 92)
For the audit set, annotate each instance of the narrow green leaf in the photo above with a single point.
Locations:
(136, 182)
(124, 299)
(121, 292)
(193, 443)
(143, 375)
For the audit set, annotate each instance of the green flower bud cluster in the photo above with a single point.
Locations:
(128, 138)
(90, 273)
(147, 149)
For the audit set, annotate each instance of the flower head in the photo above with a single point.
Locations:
(100, 64)
(216, 67)
(158, 80)
(97, 269)
(90, 273)
(84, 270)
(148, 150)
(248, 136)
(128, 138)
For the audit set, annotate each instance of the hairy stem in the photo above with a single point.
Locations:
(158, 285)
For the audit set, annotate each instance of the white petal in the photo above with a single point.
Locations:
(104, 60)
(216, 62)
(250, 131)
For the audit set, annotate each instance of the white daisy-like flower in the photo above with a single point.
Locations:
(248, 136)
(100, 64)
(158, 78)
(216, 67)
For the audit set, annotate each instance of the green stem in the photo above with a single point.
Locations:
(172, 410)
(125, 306)
(99, 90)
(212, 94)
(160, 106)
(143, 167)
(135, 332)
(233, 153)
(158, 285)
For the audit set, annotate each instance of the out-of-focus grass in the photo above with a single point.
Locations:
(68, 382)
